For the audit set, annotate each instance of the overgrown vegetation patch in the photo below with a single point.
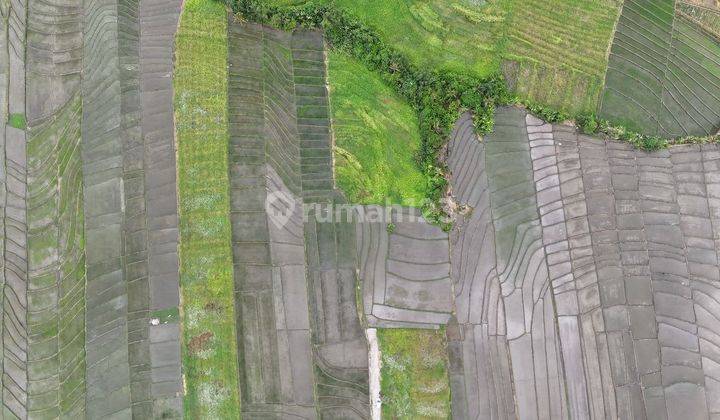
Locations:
(453, 35)
(414, 380)
(553, 52)
(437, 97)
(206, 266)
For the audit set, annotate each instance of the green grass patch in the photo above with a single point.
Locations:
(455, 35)
(206, 268)
(414, 381)
(17, 121)
(167, 316)
(376, 137)
(558, 51)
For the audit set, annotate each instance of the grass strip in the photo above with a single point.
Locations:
(206, 268)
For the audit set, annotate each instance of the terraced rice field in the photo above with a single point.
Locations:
(376, 137)
(168, 249)
(210, 357)
(89, 215)
(608, 271)
(551, 52)
(663, 73)
(557, 51)
(705, 16)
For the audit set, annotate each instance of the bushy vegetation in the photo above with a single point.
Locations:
(209, 351)
(591, 124)
(414, 382)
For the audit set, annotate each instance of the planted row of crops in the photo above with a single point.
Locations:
(663, 75)
(561, 50)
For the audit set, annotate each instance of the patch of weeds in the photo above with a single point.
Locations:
(414, 374)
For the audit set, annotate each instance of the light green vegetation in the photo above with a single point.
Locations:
(376, 137)
(553, 52)
(17, 121)
(455, 35)
(450, 35)
(557, 51)
(414, 380)
(206, 271)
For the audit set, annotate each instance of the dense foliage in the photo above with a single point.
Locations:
(437, 97)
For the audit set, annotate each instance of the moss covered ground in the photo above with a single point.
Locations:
(206, 269)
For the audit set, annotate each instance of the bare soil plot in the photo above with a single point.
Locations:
(276, 374)
(404, 270)
(291, 275)
(341, 350)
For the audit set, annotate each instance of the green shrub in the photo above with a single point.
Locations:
(587, 123)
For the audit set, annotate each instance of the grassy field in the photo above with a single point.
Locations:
(557, 51)
(206, 269)
(552, 52)
(376, 137)
(414, 377)
(449, 35)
